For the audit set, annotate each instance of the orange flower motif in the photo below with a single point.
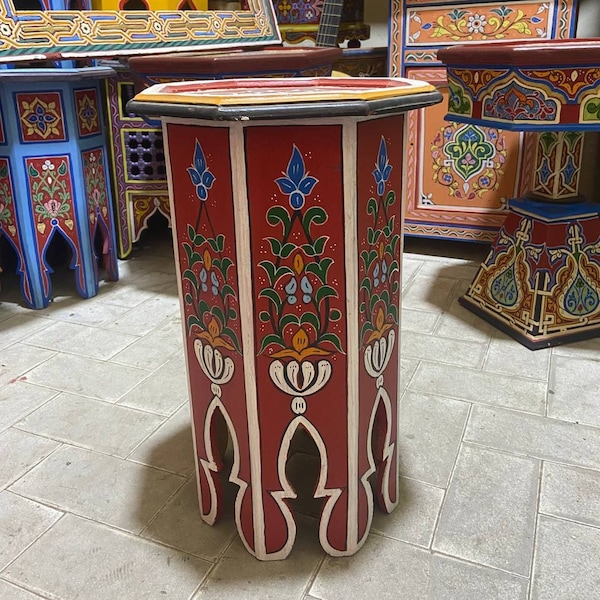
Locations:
(381, 250)
(298, 263)
(213, 336)
(207, 260)
(300, 348)
(380, 326)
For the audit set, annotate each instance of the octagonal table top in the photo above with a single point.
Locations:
(236, 99)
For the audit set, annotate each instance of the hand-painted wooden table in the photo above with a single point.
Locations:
(285, 196)
(53, 175)
(541, 280)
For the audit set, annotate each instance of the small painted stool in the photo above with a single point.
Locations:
(53, 175)
(541, 280)
(285, 197)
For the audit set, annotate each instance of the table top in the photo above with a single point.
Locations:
(541, 53)
(236, 99)
(33, 75)
(540, 86)
(237, 60)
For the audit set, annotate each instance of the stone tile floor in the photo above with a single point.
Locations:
(500, 452)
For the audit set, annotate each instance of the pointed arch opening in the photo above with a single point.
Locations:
(303, 470)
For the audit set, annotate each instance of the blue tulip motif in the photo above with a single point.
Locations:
(297, 183)
(201, 177)
(382, 168)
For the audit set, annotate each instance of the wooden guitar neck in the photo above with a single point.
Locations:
(329, 25)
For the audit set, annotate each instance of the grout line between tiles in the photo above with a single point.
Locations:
(569, 520)
(449, 481)
(60, 518)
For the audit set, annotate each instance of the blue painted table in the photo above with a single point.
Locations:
(53, 175)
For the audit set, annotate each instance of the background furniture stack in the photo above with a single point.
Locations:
(460, 176)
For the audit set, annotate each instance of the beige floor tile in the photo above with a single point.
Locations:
(84, 312)
(432, 294)
(18, 399)
(571, 493)
(16, 360)
(104, 564)
(22, 521)
(99, 487)
(92, 424)
(573, 390)
(479, 387)
(418, 320)
(431, 429)
(87, 377)
(391, 570)
(535, 436)
(16, 328)
(566, 561)
(179, 525)
(408, 366)
(508, 358)
(163, 392)
(171, 446)
(383, 568)
(453, 579)
(415, 517)
(155, 348)
(422, 346)
(453, 269)
(138, 289)
(410, 267)
(12, 592)
(83, 340)
(19, 451)
(584, 349)
(488, 515)
(461, 324)
(239, 575)
(146, 316)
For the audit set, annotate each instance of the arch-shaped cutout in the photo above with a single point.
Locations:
(133, 5)
(29, 5)
(381, 449)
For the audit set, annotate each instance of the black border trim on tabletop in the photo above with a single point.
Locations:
(249, 112)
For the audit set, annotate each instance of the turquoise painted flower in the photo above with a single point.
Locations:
(200, 175)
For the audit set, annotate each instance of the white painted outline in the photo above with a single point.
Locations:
(350, 160)
(246, 307)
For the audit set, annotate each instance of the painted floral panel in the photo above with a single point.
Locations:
(465, 23)
(88, 115)
(41, 117)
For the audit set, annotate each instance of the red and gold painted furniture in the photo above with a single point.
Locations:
(541, 280)
(285, 197)
(445, 196)
(139, 173)
(54, 177)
